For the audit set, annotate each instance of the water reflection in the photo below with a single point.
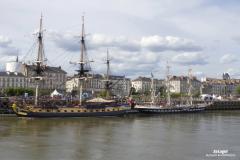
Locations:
(180, 136)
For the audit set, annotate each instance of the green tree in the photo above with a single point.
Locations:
(176, 95)
(147, 93)
(133, 91)
(18, 91)
(196, 94)
(102, 94)
(44, 92)
(163, 91)
(238, 89)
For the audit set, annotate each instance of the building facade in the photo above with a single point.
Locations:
(220, 87)
(95, 84)
(12, 80)
(143, 84)
(180, 84)
(54, 77)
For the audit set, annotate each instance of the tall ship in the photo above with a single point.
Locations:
(154, 107)
(95, 107)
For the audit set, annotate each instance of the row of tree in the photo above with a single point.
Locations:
(23, 91)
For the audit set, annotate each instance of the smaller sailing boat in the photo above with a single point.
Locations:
(156, 108)
(92, 108)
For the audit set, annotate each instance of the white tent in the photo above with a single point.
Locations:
(99, 100)
(55, 93)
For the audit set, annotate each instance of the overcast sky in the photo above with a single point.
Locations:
(141, 35)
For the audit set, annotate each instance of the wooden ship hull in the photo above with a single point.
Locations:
(72, 112)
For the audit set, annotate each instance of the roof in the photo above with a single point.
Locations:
(221, 81)
(48, 69)
(146, 79)
(182, 78)
(142, 79)
(11, 74)
(101, 76)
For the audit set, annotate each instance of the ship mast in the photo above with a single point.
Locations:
(152, 89)
(83, 63)
(39, 61)
(190, 86)
(168, 86)
(108, 83)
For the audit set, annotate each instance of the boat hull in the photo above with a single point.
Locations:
(70, 114)
(170, 110)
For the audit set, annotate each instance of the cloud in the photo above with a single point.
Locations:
(4, 41)
(200, 20)
(168, 43)
(6, 48)
(120, 42)
(199, 74)
(228, 58)
(190, 59)
(233, 72)
(236, 39)
(67, 41)
(126, 63)
(130, 56)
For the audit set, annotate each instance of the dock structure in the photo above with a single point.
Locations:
(224, 105)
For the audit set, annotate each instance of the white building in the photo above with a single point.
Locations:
(143, 84)
(13, 66)
(179, 84)
(95, 84)
(220, 87)
(54, 77)
(21, 75)
(12, 80)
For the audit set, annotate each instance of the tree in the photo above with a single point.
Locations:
(147, 93)
(18, 91)
(103, 94)
(238, 89)
(44, 92)
(133, 91)
(175, 95)
(163, 91)
(196, 94)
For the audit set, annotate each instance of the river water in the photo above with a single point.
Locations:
(163, 137)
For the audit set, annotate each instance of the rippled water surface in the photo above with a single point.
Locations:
(163, 137)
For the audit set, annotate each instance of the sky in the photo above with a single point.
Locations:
(142, 36)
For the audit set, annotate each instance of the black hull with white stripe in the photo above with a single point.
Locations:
(155, 110)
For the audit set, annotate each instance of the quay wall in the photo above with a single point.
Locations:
(224, 105)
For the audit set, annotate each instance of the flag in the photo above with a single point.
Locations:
(151, 74)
